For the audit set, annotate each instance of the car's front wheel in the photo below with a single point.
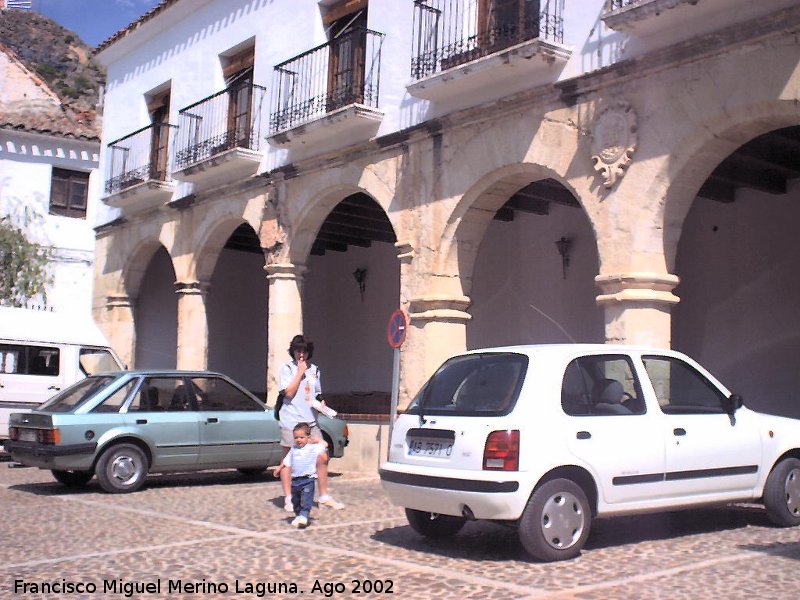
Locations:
(782, 493)
(556, 521)
(122, 469)
(73, 479)
(434, 525)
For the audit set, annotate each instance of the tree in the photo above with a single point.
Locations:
(23, 265)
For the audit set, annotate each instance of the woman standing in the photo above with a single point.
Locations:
(300, 386)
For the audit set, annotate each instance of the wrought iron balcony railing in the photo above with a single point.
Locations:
(140, 156)
(617, 4)
(225, 120)
(341, 72)
(448, 33)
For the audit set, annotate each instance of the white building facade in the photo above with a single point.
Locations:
(505, 171)
(48, 158)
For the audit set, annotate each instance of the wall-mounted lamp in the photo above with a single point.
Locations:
(360, 275)
(563, 245)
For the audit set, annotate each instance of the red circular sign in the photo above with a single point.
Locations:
(396, 332)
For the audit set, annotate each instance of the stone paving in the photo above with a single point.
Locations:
(218, 529)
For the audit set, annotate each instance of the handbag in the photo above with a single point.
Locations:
(278, 405)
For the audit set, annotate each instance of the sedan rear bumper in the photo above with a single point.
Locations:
(49, 456)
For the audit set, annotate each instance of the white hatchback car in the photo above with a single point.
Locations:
(551, 436)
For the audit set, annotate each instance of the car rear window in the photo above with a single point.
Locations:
(486, 384)
(76, 394)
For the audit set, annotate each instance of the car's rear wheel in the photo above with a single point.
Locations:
(434, 525)
(782, 493)
(122, 469)
(556, 521)
(73, 479)
(252, 471)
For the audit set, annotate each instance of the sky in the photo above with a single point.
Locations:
(94, 20)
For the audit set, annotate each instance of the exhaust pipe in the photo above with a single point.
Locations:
(467, 513)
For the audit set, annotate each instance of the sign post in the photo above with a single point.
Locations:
(396, 334)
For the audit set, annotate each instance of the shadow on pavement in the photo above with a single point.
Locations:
(778, 549)
(486, 541)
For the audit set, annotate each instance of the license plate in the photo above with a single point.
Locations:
(27, 435)
(429, 447)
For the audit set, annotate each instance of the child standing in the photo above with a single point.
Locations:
(302, 460)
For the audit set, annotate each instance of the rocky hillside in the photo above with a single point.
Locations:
(56, 54)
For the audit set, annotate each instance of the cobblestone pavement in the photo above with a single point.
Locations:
(227, 537)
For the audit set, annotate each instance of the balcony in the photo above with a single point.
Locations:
(138, 169)
(328, 95)
(477, 47)
(218, 137)
(681, 19)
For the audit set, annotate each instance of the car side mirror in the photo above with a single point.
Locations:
(733, 403)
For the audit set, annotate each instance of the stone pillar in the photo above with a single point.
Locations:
(192, 325)
(438, 329)
(637, 307)
(285, 319)
(119, 327)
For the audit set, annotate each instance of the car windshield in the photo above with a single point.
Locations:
(473, 385)
(76, 394)
(97, 360)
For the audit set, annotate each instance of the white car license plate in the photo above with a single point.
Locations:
(429, 447)
(27, 435)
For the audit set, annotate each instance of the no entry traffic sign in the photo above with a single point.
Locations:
(396, 331)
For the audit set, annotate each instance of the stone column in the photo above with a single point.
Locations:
(192, 325)
(285, 319)
(119, 327)
(438, 329)
(637, 307)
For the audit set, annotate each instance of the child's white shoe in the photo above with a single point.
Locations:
(300, 522)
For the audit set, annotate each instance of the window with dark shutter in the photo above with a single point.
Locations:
(69, 191)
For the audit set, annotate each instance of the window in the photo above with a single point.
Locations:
(346, 24)
(213, 393)
(601, 385)
(76, 394)
(29, 360)
(238, 73)
(158, 107)
(503, 23)
(96, 360)
(114, 402)
(474, 385)
(681, 389)
(68, 193)
(163, 394)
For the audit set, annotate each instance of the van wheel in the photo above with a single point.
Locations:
(556, 521)
(122, 469)
(782, 493)
(72, 479)
(434, 525)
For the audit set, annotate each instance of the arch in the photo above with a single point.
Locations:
(134, 270)
(700, 152)
(471, 216)
(211, 241)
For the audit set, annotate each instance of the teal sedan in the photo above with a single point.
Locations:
(121, 426)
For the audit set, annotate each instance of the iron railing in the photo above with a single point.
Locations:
(228, 119)
(448, 33)
(617, 4)
(341, 72)
(140, 156)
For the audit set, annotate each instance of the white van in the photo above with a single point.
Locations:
(42, 352)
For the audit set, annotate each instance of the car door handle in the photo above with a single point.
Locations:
(212, 420)
(141, 421)
(583, 435)
(54, 387)
(679, 431)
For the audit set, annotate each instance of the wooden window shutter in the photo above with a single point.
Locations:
(341, 9)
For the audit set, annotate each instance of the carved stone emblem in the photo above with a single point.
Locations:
(613, 141)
